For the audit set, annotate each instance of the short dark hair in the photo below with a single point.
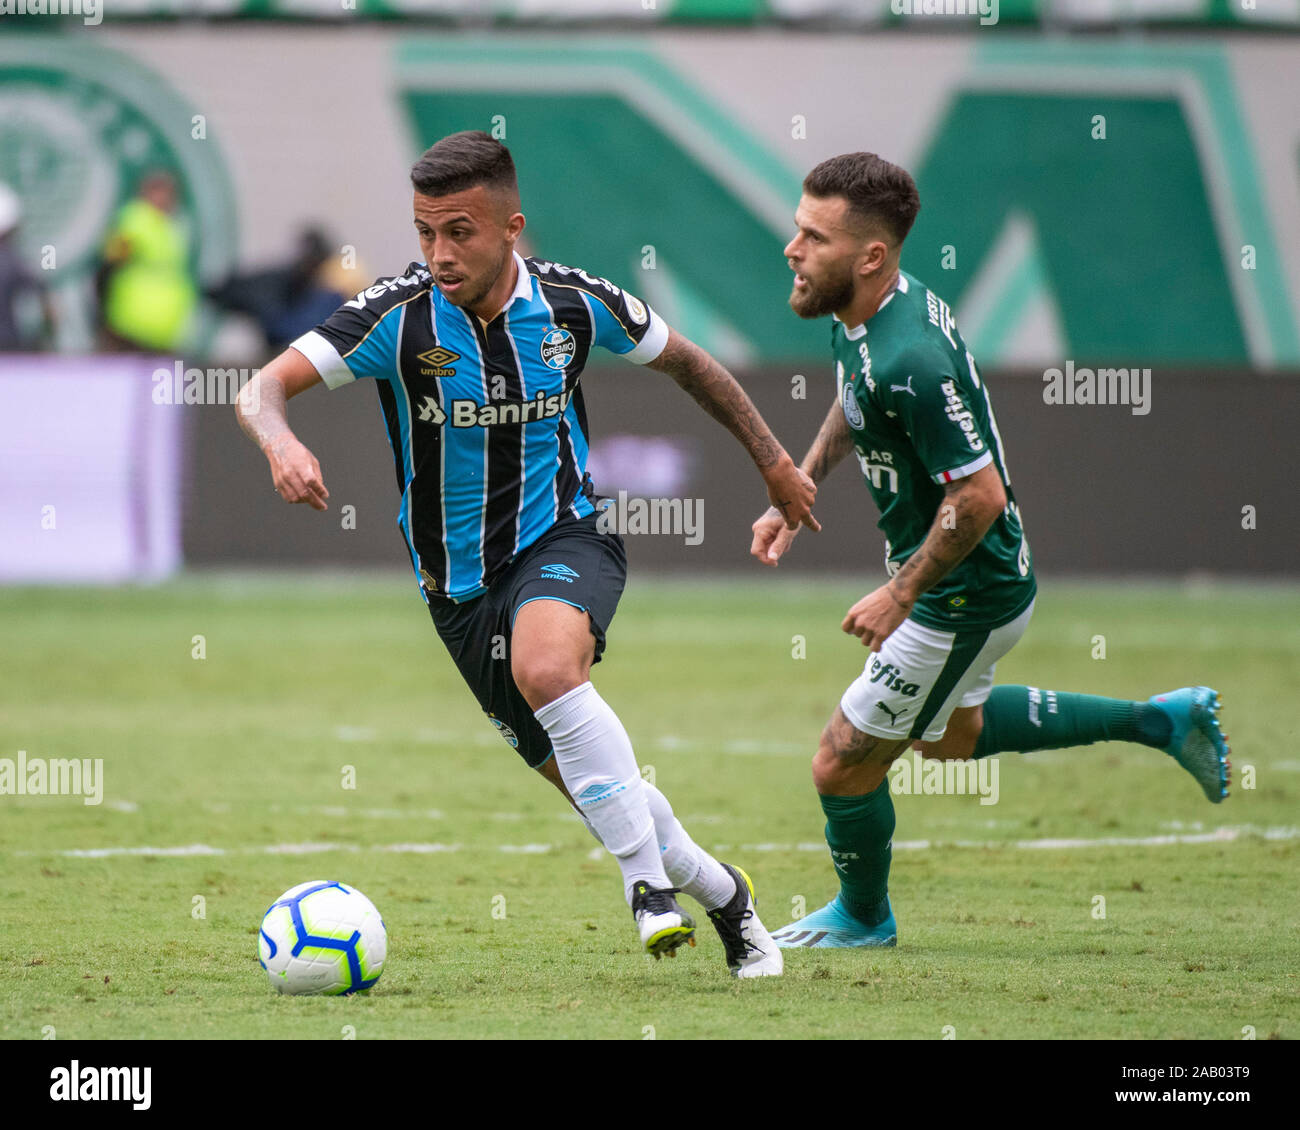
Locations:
(876, 191)
(464, 160)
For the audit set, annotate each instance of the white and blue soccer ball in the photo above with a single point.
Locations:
(322, 938)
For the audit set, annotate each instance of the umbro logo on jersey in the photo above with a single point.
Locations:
(559, 573)
(438, 359)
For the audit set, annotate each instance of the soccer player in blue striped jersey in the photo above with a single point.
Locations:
(476, 353)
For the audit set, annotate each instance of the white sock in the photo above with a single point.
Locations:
(688, 865)
(597, 765)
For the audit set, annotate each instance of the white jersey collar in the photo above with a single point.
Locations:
(523, 283)
(859, 330)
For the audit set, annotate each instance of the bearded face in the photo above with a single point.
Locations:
(823, 289)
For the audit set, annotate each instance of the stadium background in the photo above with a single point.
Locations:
(662, 146)
(260, 723)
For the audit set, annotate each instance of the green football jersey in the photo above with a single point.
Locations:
(920, 417)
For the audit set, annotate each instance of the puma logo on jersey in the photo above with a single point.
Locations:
(893, 714)
(907, 388)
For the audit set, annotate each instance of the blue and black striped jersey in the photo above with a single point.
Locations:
(486, 422)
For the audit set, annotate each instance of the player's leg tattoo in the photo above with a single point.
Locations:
(850, 762)
(849, 770)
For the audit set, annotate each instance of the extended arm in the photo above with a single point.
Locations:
(720, 395)
(260, 409)
(772, 537)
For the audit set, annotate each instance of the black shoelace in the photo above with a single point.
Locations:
(656, 902)
(733, 940)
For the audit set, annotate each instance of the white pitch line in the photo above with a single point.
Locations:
(1226, 834)
(417, 849)
(1218, 836)
(102, 853)
(1222, 835)
(306, 849)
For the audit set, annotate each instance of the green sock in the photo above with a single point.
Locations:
(859, 830)
(1020, 719)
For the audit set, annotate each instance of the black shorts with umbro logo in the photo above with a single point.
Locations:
(575, 562)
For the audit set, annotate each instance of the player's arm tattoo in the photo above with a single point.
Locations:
(969, 507)
(833, 442)
(260, 405)
(720, 395)
(269, 424)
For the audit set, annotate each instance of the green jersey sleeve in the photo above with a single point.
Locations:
(937, 408)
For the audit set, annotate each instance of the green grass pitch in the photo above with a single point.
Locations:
(502, 920)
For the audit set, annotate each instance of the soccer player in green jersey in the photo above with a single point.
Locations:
(911, 406)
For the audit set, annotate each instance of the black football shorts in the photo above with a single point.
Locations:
(574, 562)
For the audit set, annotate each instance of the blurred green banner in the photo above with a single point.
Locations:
(853, 13)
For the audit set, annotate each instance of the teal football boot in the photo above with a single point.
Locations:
(833, 927)
(1197, 743)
